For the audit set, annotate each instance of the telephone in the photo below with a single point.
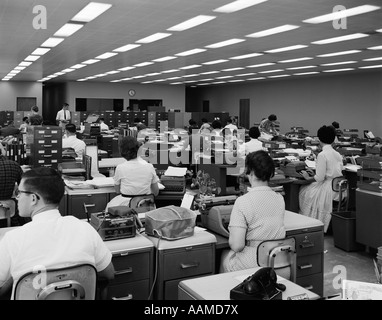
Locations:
(262, 285)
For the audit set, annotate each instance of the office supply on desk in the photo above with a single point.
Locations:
(357, 290)
(293, 169)
(175, 171)
(188, 200)
(173, 185)
(92, 151)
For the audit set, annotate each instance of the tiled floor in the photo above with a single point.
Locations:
(357, 266)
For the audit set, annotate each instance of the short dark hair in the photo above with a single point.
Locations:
(216, 124)
(65, 104)
(71, 127)
(35, 108)
(272, 117)
(254, 132)
(191, 122)
(335, 124)
(128, 147)
(229, 120)
(25, 118)
(261, 163)
(204, 120)
(326, 134)
(101, 119)
(46, 182)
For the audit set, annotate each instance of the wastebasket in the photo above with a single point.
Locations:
(344, 230)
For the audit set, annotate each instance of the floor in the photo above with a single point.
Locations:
(355, 265)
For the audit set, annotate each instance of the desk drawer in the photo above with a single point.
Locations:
(131, 267)
(189, 262)
(307, 265)
(93, 202)
(311, 243)
(314, 283)
(137, 290)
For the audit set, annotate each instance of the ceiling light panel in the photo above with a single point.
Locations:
(272, 31)
(214, 62)
(154, 37)
(168, 58)
(191, 23)
(333, 54)
(342, 38)
(127, 47)
(106, 55)
(190, 52)
(40, 51)
(296, 47)
(68, 29)
(52, 42)
(91, 11)
(238, 5)
(246, 56)
(225, 43)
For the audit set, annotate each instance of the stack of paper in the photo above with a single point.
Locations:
(175, 171)
(73, 184)
(101, 182)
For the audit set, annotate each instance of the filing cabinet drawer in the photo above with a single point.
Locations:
(131, 267)
(310, 243)
(307, 265)
(314, 283)
(189, 262)
(171, 287)
(93, 202)
(137, 290)
(48, 134)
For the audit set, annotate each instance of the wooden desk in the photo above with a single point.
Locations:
(217, 287)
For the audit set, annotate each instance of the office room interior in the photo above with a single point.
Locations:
(308, 62)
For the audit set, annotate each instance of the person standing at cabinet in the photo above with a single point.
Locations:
(63, 116)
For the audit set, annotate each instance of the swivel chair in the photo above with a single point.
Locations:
(280, 255)
(7, 210)
(78, 282)
(341, 185)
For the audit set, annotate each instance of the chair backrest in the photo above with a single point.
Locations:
(279, 254)
(341, 185)
(77, 282)
(7, 210)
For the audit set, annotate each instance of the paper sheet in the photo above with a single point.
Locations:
(175, 172)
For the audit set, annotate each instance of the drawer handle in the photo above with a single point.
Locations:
(307, 266)
(126, 271)
(48, 136)
(309, 287)
(307, 245)
(128, 297)
(47, 156)
(124, 254)
(189, 265)
(47, 146)
(90, 205)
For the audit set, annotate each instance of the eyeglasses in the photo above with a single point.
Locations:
(19, 192)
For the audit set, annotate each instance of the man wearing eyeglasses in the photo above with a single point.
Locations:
(10, 175)
(49, 240)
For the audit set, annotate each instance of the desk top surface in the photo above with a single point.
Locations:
(218, 286)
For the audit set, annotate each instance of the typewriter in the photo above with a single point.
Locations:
(173, 185)
(294, 168)
(216, 213)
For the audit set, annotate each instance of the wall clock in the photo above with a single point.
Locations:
(131, 92)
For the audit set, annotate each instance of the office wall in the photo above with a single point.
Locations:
(173, 96)
(10, 90)
(354, 100)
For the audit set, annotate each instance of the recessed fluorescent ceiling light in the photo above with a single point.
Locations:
(371, 67)
(302, 67)
(261, 65)
(164, 59)
(209, 79)
(115, 80)
(259, 78)
(375, 48)
(191, 67)
(379, 30)
(91, 11)
(271, 71)
(190, 75)
(269, 32)
(338, 70)
(338, 63)
(80, 80)
(245, 74)
(305, 73)
(233, 69)
(280, 76)
(299, 46)
(170, 71)
(342, 14)
(126, 68)
(113, 72)
(154, 37)
(143, 64)
(127, 47)
(225, 43)
(31, 58)
(343, 38)
(191, 23)
(210, 72)
(190, 52)
(174, 78)
(238, 80)
(126, 79)
(25, 64)
(370, 59)
(237, 5)
(106, 55)
(246, 56)
(215, 62)
(138, 77)
(91, 61)
(68, 70)
(153, 74)
(338, 53)
(52, 42)
(295, 60)
(19, 68)
(224, 77)
(78, 66)
(68, 29)
(40, 51)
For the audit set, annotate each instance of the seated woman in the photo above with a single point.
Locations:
(316, 199)
(256, 216)
(133, 177)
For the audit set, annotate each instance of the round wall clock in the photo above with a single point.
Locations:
(131, 92)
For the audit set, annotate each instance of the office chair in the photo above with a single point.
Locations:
(279, 254)
(341, 185)
(7, 210)
(77, 282)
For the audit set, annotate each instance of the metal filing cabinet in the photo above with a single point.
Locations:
(76, 118)
(182, 259)
(133, 261)
(151, 119)
(45, 146)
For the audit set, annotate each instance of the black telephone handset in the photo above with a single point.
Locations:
(262, 285)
